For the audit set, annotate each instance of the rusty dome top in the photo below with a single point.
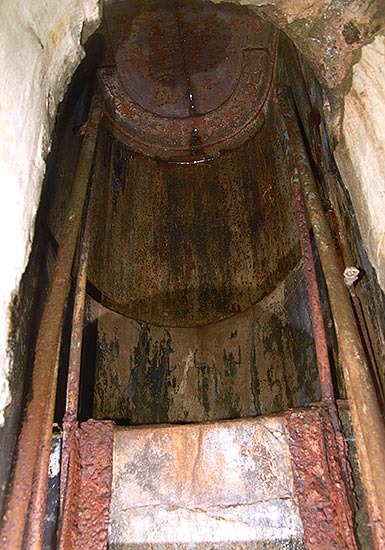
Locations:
(185, 78)
(180, 60)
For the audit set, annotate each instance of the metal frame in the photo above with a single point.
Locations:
(366, 415)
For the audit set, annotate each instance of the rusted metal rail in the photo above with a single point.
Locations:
(365, 411)
(70, 468)
(70, 462)
(337, 452)
(31, 470)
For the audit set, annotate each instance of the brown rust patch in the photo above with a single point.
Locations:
(96, 443)
(324, 508)
(178, 48)
(87, 492)
(182, 67)
(257, 362)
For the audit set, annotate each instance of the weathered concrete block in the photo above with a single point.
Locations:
(219, 485)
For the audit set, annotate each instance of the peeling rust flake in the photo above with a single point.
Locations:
(96, 442)
(324, 509)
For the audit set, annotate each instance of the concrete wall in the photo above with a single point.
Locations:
(40, 47)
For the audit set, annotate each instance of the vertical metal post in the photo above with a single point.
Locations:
(69, 474)
(35, 437)
(337, 448)
(366, 416)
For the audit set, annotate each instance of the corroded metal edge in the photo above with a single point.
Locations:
(96, 445)
(70, 482)
(324, 508)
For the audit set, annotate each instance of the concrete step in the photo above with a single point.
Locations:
(226, 485)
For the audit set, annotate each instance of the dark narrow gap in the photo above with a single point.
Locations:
(331, 338)
(89, 360)
(64, 357)
(337, 376)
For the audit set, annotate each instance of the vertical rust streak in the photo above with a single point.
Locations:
(37, 424)
(182, 41)
(365, 411)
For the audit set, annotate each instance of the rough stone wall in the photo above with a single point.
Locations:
(360, 154)
(40, 48)
(329, 34)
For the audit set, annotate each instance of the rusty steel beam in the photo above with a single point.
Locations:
(35, 437)
(69, 459)
(326, 381)
(366, 416)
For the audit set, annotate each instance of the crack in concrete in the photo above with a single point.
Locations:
(171, 507)
(273, 433)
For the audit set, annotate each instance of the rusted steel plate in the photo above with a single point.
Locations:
(87, 492)
(257, 362)
(188, 245)
(96, 444)
(227, 73)
(174, 48)
(324, 508)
